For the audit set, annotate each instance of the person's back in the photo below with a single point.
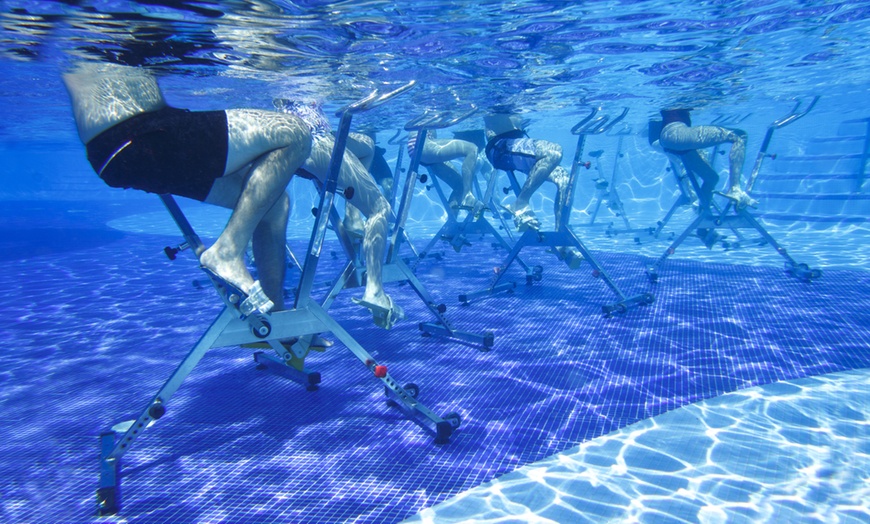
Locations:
(103, 95)
(500, 123)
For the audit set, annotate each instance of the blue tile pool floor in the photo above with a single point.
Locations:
(94, 319)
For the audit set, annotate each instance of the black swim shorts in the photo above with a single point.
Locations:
(171, 151)
(512, 151)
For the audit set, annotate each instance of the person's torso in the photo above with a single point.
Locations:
(497, 124)
(108, 101)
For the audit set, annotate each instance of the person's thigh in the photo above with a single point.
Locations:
(685, 138)
(547, 149)
(437, 151)
(253, 132)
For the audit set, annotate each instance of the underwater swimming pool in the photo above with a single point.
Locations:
(740, 394)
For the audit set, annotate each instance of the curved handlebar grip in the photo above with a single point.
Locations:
(794, 115)
(374, 99)
(420, 122)
(600, 125)
(604, 128)
(460, 118)
(396, 140)
(576, 129)
(437, 121)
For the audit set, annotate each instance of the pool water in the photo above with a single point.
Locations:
(740, 394)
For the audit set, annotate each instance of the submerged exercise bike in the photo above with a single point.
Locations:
(289, 333)
(712, 216)
(563, 238)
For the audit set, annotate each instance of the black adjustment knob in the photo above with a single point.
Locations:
(157, 410)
